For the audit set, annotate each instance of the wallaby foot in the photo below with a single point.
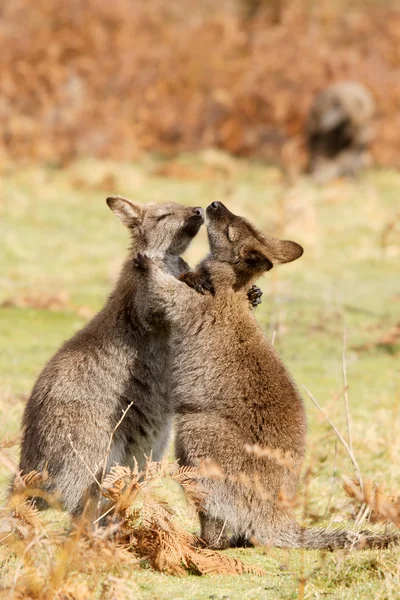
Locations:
(254, 295)
(240, 541)
(213, 533)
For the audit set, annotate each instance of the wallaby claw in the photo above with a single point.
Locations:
(254, 295)
(197, 281)
(207, 285)
(199, 288)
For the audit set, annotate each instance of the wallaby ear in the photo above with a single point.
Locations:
(287, 251)
(127, 211)
(257, 260)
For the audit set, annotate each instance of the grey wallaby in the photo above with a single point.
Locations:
(239, 414)
(116, 360)
(339, 130)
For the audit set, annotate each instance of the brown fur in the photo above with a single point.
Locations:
(116, 359)
(339, 130)
(233, 395)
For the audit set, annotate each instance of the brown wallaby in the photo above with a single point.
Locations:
(238, 407)
(339, 130)
(116, 360)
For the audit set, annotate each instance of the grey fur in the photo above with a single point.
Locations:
(115, 360)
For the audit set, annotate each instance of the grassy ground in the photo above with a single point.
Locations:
(61, 252)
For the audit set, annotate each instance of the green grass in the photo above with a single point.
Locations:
(61, 245)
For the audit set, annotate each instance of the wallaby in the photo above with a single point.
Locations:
(339, 130)
(116, 361)
(238, 409)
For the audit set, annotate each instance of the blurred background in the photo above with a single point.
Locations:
(114, 79)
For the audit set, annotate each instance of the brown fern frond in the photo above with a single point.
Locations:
(116, 475)
(209, 562)
(151, 532)
(22, 514)
(33, 479)
(144, 527)
(121, 486)
(384, 508)
(190, 479)
(187, 473)
(158, 513)
(162, 469)
(173, 552)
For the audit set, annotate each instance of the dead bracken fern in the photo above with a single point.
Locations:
(382, 507)
(150, 529)
(138, 528)
(50, 561)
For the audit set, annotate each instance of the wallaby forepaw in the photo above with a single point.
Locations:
(142, 262)
(197, 281)
(254, 295)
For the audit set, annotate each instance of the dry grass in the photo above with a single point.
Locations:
(139, 529)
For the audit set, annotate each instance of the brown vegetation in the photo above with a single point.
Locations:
(113, 79)
(142, 530)
(42, 561)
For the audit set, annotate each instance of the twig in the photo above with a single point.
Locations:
(83, 461)
(11, 466)
(222, 531)
(104, 514)
(340, 437)
(108, 451)
(333, 480)
(364, 510)
(111, 439)
(361, 514)
(346, 397)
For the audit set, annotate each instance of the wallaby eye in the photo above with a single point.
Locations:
(161, 217)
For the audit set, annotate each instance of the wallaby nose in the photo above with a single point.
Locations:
(199, 212)
(215, 205)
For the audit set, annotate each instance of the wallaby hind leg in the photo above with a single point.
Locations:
(213, 532)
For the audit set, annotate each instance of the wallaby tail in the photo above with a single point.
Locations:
(332, 539)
